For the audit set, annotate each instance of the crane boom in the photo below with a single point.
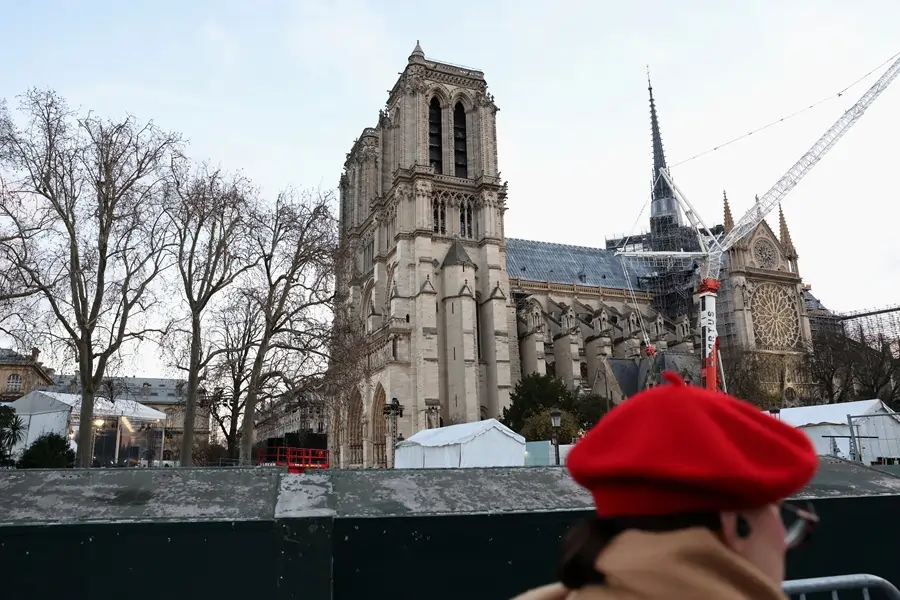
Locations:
(798, 171)
(708, 287)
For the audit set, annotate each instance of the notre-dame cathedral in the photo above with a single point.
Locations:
(456, 312)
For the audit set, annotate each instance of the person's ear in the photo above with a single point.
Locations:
(735, 530)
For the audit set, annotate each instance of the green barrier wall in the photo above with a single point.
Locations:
(260, 533)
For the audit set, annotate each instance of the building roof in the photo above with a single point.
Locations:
(633, 375)
(150, 390)
(11, 357)
(830, 414)
(813, 303)
(457, 256)
(564, 263)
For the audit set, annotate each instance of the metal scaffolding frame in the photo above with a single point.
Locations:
(873, 326)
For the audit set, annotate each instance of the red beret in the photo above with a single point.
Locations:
(678, 448)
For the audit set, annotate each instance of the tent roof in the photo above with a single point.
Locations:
(44, 402)
(830, 414)
(458, 434)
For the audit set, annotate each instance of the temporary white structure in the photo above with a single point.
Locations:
(827, 427)
(486, 443)
(51, 412)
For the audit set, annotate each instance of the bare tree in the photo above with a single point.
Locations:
(85, 234)
(745, 371)
(830, 364)
(238, 327)
(208, 212)
(292, 289)
(856, 365)
(876, 367)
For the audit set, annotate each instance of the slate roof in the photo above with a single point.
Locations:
(564, 263)
(632, 375)
(8, 356)
(160, 390)
(813, 303)
(457, 255)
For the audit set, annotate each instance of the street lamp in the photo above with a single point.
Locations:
(555, 421)
(392, 411)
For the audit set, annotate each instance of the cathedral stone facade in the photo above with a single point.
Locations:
(456, 313)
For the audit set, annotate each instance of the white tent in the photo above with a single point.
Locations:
(827, 427)
(486, 443)
(50, 412)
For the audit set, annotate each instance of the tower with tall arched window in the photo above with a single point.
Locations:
(421, 208)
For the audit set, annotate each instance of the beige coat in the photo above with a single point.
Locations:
(683, 565)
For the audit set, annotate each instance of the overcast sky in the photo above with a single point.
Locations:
(280, 89)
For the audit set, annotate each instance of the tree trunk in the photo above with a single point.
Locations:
(190, 405)
(248, 429)
(84, 457)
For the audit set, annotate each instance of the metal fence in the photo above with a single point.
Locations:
(859, 585)
(874, 438)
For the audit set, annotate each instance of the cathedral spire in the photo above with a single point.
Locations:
(663, 203)
(659, 156)
(785, 236)
(728, 222)
(417, 54)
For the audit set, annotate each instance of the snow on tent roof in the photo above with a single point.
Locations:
(458, 434)
(829, 414)
(38, 402)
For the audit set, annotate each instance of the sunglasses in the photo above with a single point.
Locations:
(799, 523)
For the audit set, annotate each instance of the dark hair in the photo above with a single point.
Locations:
(586, 540)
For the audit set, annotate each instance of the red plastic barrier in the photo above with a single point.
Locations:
(297, 460)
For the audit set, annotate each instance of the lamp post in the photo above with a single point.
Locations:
(392, 412)
(555, 421)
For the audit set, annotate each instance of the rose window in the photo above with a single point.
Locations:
(776, 323)
(765, 254)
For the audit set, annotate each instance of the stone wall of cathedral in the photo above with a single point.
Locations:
(450, 331)
(422, 208)
(763, 309)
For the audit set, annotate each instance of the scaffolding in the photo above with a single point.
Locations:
(874, 327)
(670, 283)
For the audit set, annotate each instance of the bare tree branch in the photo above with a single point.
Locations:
(292, 289)
(84, 232)
(208, 212)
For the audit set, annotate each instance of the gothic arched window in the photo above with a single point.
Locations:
(435, 137)
(439, 210)
(467, 219)
(460, 158)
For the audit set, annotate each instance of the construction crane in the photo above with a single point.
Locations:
(712, 250)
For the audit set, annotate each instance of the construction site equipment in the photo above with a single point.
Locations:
(712, 252)
(297, 460)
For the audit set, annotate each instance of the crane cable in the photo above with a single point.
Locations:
(634, 302)
(637, 309)
(839, 94)
(790, 116)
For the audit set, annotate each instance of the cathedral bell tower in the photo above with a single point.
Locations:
(425, 211)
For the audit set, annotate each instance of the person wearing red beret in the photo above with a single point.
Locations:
(688, 486)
